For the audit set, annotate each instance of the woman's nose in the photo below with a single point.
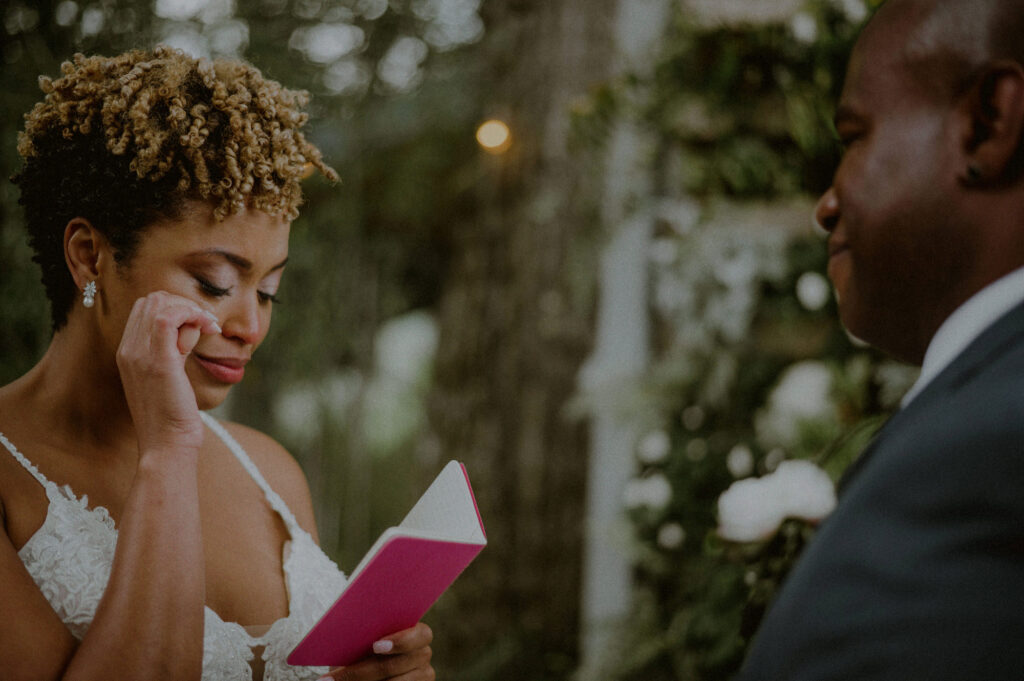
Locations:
(826, 213)
(244, 322)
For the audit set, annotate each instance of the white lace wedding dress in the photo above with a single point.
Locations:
(70, 558)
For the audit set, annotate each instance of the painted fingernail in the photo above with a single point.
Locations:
(213, 318)
(381, 647)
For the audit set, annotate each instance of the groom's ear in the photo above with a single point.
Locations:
(993, 114)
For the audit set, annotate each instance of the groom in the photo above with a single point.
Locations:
(919, 572)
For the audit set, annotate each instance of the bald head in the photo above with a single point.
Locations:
(943, 43)
(926, 205)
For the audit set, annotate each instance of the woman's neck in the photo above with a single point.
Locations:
(75, 390)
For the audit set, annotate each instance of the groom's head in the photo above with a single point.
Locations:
(927, 204)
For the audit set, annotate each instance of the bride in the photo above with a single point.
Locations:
(142, 537)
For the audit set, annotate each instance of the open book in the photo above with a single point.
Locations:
(405, 572)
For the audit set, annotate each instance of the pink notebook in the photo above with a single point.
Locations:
(405, 572)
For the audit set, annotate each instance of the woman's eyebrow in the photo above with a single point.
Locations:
(243, 264)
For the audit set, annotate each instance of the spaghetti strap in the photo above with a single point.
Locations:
(273, 498)
(48, 485)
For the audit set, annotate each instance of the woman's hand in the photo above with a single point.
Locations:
(404, 656)
(161, 331)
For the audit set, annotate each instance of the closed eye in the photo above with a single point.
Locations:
(211, 289)
(268, 297)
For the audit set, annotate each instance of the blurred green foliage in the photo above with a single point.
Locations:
(743, 116)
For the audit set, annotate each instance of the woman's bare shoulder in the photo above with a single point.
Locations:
(281, 470)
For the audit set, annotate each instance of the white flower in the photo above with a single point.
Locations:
(748, 511)
(326, 43)
(740, 461)
(812, 290)
(804, 27)
(802, 394)
(855, 10)
(671, 536)
(654, 447)
(894, 380)
(805, 489)
(752, 509)
(179, 10)
(652, 492)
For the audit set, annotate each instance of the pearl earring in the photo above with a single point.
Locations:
(89, 294)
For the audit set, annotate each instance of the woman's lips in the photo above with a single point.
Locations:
(223, 369)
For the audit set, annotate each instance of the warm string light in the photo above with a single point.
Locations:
(494, 136)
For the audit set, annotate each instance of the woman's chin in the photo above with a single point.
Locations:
(207, 398)
(210, 397)
(207, 406)
(210, 393)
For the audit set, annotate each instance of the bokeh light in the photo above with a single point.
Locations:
(494, 136)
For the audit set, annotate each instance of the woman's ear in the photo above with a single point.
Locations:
(85, 251)
(995, 107)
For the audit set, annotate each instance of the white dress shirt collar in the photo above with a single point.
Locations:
(965, 324)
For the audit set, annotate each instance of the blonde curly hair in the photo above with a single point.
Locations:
(124, 140)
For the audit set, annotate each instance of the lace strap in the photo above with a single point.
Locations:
(29, 466)
(273, 498)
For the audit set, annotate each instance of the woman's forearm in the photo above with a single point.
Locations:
(149, 623)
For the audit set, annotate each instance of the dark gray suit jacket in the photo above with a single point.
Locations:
(919, 572)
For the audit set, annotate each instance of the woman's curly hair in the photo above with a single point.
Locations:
(122, 141)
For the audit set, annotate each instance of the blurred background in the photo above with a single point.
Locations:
(573, 248)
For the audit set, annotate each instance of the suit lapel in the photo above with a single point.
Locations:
(1000, 337)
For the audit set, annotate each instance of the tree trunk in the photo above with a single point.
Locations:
(516, 324)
